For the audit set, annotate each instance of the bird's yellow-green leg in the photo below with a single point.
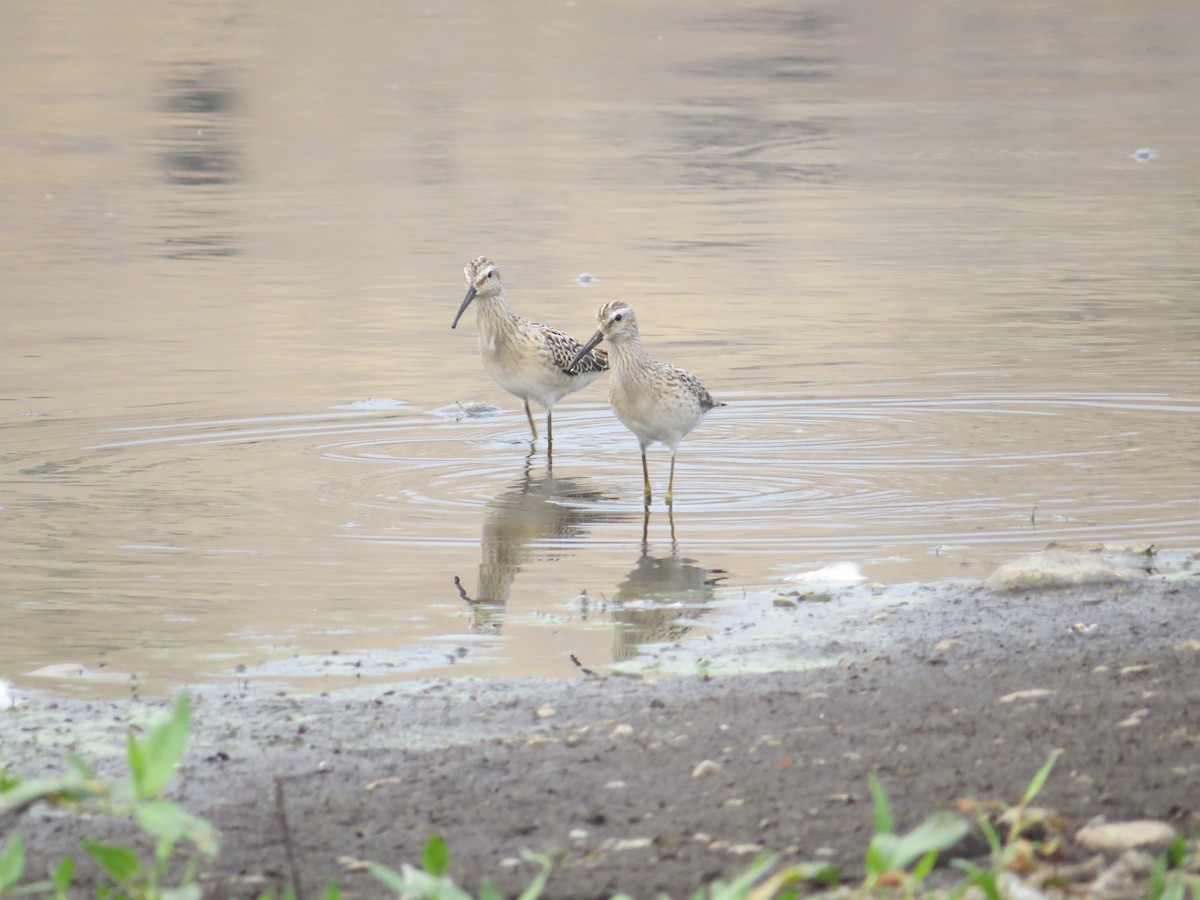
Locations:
(645, 477)
(671, 481)
(549, 429)
(529, 416)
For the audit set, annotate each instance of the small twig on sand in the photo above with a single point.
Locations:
(582, 668)
(462, 592)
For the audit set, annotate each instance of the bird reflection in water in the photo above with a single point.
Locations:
(660, 597)
(536, 508)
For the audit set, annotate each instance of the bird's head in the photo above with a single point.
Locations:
(483, 280)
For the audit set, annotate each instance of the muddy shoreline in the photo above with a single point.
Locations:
(947, 690)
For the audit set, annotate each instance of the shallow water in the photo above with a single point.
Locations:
(954, 316)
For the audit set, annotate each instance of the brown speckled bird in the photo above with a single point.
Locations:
(530, 361)
(655, 400)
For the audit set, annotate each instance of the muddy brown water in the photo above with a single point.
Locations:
(940, 261)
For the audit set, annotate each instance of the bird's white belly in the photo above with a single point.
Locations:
(651, 419)
(526, 373)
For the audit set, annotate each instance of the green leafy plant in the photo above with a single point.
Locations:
(748, 886)
(1009, 832)
(12, 868)
(1019, 837)
(179, 836)
(12, 863)
(890, 855)
(432, 881)
(1170, 878)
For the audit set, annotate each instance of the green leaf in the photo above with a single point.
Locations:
(1158, 876)
(1178, 852)
(120, 863)
(806, 872)
(417, 883)
(988, 882)
(882, 817)
(923, 867)
(62, 875)
(12, 862)
(1039, 780)
(137, 763)
(880, 853)
(63, 788)
(78, 764)
(488, 891)
(983, 879)
(332, 891)
(990, 833)
(390, 878)
(163, 819)
(774, 887)
(743, 882)
(171, 823)
(189, 872)
(535, 888)
(161, 751)
(436, 858)
(939, 832)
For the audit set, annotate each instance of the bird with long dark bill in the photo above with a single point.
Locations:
(657, 401)
(527, 359)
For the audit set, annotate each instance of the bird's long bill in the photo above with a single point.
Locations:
(462, 309)
(586, 349)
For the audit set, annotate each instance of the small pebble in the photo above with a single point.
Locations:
(1031, 694)
(546, 712)
(707, 767)
(632, 844)
(1117, 836)
(1134, 719)
(1134, 671)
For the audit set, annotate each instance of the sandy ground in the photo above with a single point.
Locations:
(600, 772)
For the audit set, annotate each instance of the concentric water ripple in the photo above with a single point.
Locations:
(399, 532)
(865, 477)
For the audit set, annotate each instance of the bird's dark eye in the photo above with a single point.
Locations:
(617, 317)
